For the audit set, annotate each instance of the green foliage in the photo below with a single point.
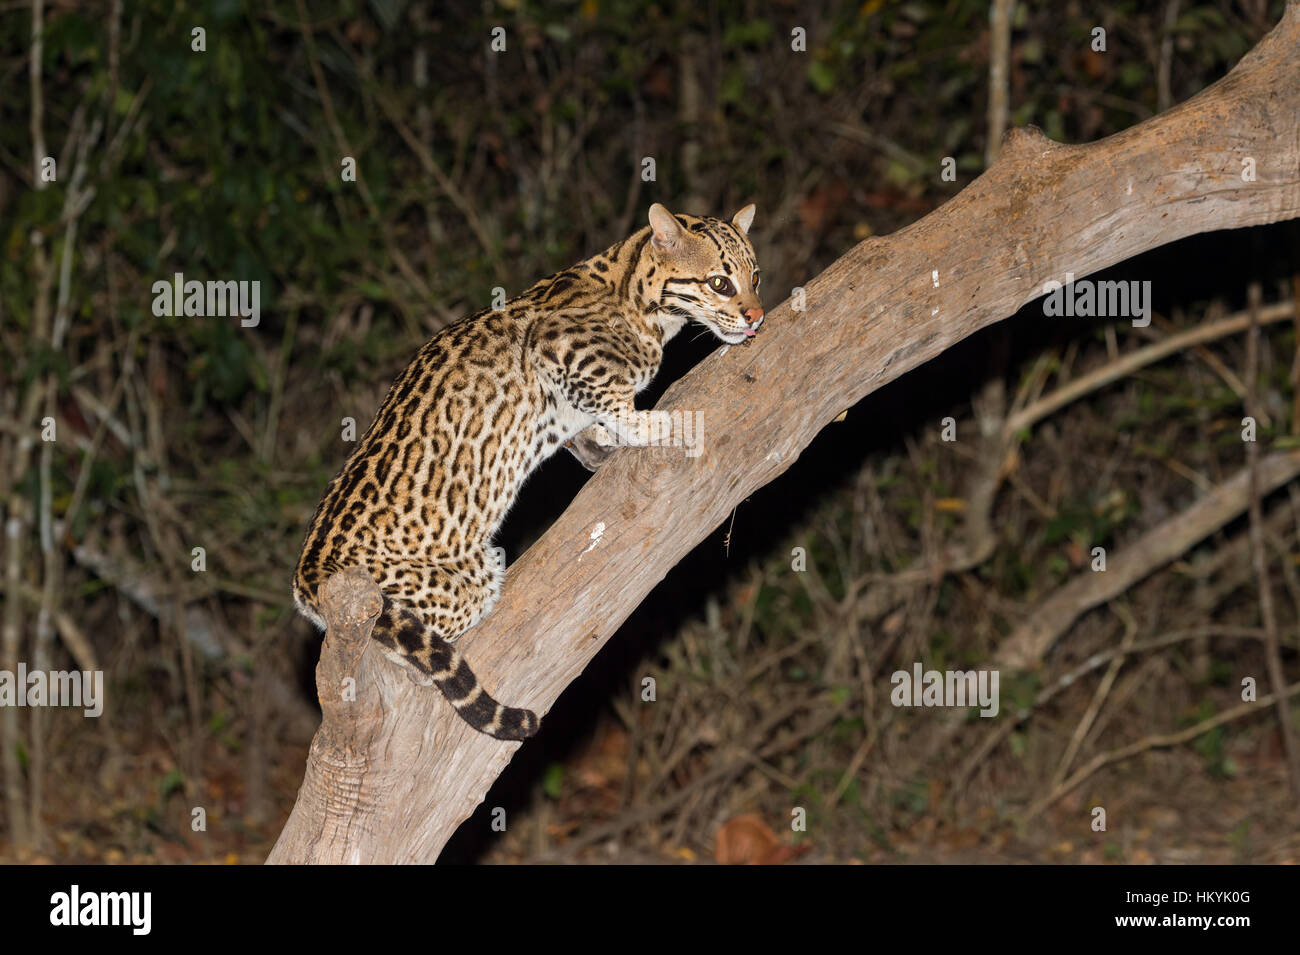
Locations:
(172, 782)
(913, 796)
(553, 781)
(1211, 745)
(1020, 692)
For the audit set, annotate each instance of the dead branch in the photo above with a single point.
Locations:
(1259, 558)
(195, 625)
(1049, 621)
(393, 774)
(1008, 726)
(1099, 694)
(1128, 363)
(1158, 741)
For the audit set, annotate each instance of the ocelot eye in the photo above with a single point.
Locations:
(722, 285)
(757, 281)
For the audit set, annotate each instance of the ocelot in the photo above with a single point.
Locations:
(487, 400)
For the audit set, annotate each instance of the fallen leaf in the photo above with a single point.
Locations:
(747, 840)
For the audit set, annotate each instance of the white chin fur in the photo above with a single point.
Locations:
(728, 336)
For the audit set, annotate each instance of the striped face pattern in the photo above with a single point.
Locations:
(487, 400)
(720, 286)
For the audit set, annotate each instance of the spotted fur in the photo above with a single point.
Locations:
(483, 403)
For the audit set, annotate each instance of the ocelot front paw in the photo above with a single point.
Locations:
(592, 446)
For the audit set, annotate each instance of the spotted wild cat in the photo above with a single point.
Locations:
(483, 403)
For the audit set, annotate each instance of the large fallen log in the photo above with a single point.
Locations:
(394, 772)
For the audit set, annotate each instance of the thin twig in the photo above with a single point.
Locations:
(1127, 364)
(999, 63)
(1072, 676)
(1164, 86)
(341, 143)
(823, 714)
(38, 96)
(1259, 554)
(1099, 696)
(1163, 741)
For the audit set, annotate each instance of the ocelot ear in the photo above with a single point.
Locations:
(667, 231)
(742, 219)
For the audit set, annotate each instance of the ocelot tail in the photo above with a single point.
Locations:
(487, 400)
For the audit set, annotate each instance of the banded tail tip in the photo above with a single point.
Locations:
(512, 723)
(486, 715)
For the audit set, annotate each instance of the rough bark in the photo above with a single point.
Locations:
(392, 775)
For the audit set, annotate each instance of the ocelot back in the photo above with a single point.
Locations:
(483, 403)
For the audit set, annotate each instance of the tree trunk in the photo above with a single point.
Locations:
(393, 773)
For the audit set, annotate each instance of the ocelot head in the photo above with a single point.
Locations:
(713, 273)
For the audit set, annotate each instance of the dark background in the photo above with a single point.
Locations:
(478, 170)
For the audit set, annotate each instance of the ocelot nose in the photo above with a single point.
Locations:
(753, 315)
